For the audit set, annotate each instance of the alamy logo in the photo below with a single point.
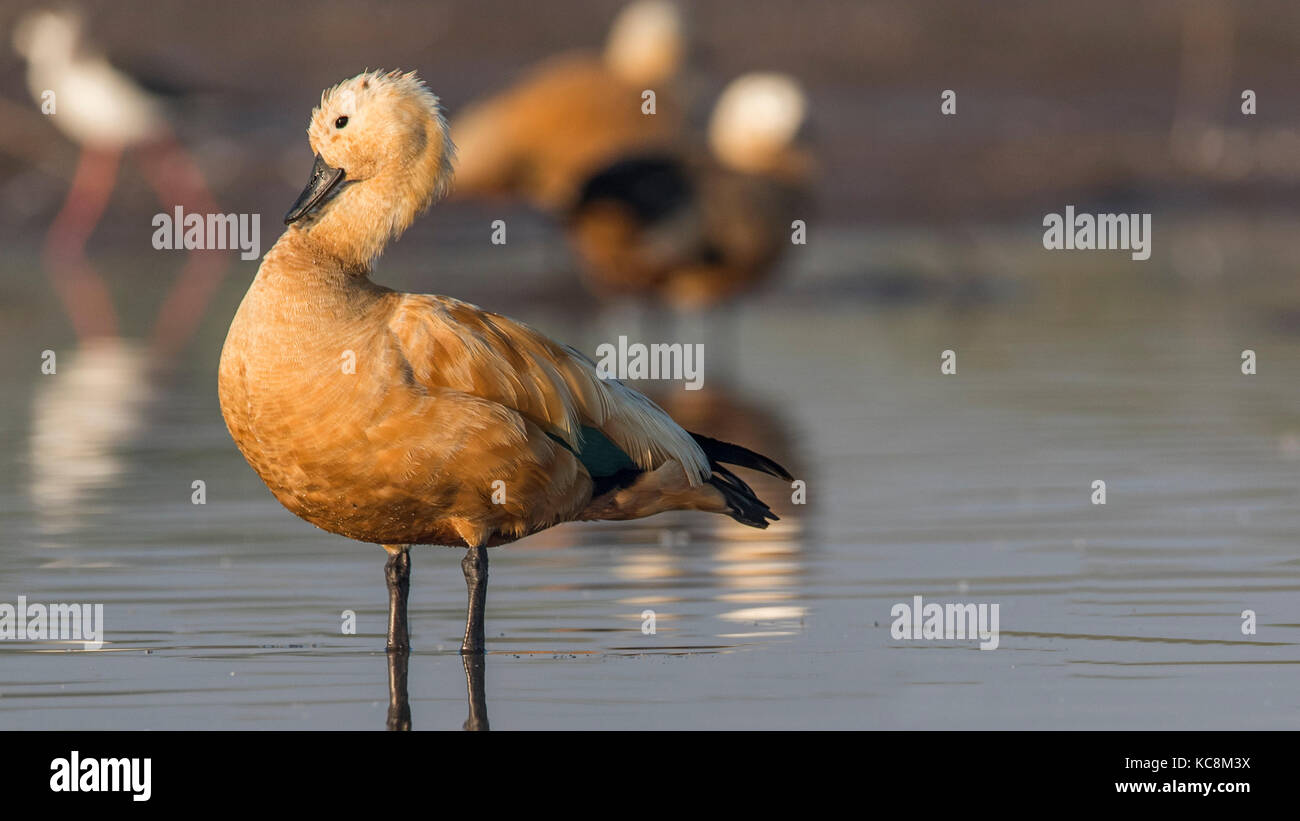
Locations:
(53, 622)
(952, 621)
(77, 774)
(655, 361)
(1102, 232)
(211, 232)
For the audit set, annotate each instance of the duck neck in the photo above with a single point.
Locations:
(299, 259)
(367, 215)
(309, 285)
(298, 247)
(352, 232)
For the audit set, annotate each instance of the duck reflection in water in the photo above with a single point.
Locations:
(399, 698)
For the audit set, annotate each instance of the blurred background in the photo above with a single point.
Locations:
(924, 234)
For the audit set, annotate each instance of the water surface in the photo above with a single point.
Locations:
(974, 487)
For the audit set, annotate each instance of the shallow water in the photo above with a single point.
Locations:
(967, 488)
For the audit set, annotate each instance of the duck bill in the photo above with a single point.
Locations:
(324, 179)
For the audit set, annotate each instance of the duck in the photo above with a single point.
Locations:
(108, 111)
(402, 419)
(693, 229)
(537, 140)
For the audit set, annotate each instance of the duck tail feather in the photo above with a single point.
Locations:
(730, 454)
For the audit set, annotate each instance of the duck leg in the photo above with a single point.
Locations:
(398, 574)
(475, 566)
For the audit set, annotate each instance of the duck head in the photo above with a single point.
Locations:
(646, 43)
(756, 123)
(383, 155)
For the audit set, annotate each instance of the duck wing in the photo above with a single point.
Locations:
(452, 345)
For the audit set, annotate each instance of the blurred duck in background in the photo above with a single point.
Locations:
(542, 138)
(691, 229)
(107, 111)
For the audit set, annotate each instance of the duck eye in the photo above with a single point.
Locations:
(340, 122)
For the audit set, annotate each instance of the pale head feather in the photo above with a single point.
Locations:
(46, 35)
(396, 153)
(645, 42)
(755, 119)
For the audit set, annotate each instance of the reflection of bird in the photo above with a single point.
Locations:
(539, 139)
(81, 414)
(755, 573)
(106, 111)
(402, 419)
(692, 230)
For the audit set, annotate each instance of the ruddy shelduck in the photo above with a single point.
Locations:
(691, 229)
(400, 419)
